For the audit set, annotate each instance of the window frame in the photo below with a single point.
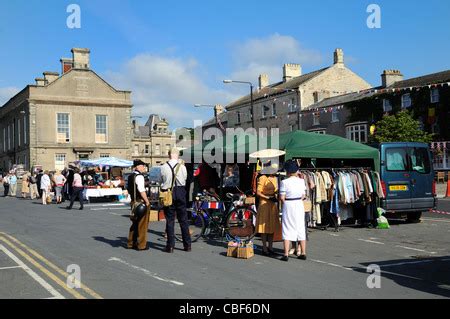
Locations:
(98, 141)
(63, 165)
(292, 106)
(316, 119)
(274, 109)
(434, 98)
(335, 115)
(387, 103)
(352, 132)
(67, 140)
(264, 109)
(404, 100)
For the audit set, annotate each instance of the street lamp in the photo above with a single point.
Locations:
(251, 96)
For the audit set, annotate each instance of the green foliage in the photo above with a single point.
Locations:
(400, 127)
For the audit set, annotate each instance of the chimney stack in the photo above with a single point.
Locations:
(290, 71)
(389, 77)
(218, 109)
(339, 57)
(66, 65)
(50, 77)
(263, 81)
(81, 58)
(40, 82)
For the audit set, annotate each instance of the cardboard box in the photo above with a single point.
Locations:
(246, 251)
(154, 216)
(232, 251)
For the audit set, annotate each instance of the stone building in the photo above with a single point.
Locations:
(153, 141)
(351, 115)
(278, 105)
(64, 118)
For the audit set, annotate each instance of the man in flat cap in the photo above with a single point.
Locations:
(137, 238)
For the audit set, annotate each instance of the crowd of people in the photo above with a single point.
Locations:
(57, 186)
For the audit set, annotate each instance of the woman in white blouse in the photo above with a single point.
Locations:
(45, 187)
(292, 194)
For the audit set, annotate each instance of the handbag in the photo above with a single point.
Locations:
(308, 206)
(166, 197)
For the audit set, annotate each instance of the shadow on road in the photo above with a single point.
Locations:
(431, 276)
(116, 243)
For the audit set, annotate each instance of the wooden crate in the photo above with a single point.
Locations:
(154, 216)
(245, 252)
(232, 251)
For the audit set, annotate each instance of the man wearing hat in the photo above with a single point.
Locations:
(137, 238)
(173, 176)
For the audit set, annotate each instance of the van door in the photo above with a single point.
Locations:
(395, 174)
(421, 177)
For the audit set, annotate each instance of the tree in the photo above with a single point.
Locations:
(400, 127)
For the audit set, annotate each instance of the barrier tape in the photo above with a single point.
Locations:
(439, 212)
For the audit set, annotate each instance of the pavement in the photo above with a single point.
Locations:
(41, 246)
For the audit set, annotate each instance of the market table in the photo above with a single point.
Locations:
(102, 192)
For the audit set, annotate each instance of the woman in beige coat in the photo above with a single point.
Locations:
(25, 185)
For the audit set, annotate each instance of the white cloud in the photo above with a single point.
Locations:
(167, 86)
(7, 93)
(267, 56)
(170, 86)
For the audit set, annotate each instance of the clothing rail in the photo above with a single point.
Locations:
(332, 218)
(334, 168)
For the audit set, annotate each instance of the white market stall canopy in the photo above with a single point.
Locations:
(107, 161)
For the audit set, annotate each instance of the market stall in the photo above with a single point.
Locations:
(342, 175)
(107, 183)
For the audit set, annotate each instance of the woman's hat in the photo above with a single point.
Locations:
(271, 169)
(290, 167)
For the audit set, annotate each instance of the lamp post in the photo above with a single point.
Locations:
(251, 96)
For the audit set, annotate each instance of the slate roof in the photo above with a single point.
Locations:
(429, 79)
(272, 89)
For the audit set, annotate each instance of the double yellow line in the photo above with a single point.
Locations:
(27, 253)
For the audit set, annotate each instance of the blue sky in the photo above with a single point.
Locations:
(173, 54)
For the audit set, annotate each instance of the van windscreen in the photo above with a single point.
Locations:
(396, 159)
(420, 160)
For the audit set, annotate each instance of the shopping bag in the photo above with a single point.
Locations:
(381, 220)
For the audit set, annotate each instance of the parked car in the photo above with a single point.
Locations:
(408, 179)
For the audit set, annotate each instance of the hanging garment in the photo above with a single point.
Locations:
(380, 191)
(345, 212)
(342, 197)
(334, 207)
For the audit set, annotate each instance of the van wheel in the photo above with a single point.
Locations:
(414, 217)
